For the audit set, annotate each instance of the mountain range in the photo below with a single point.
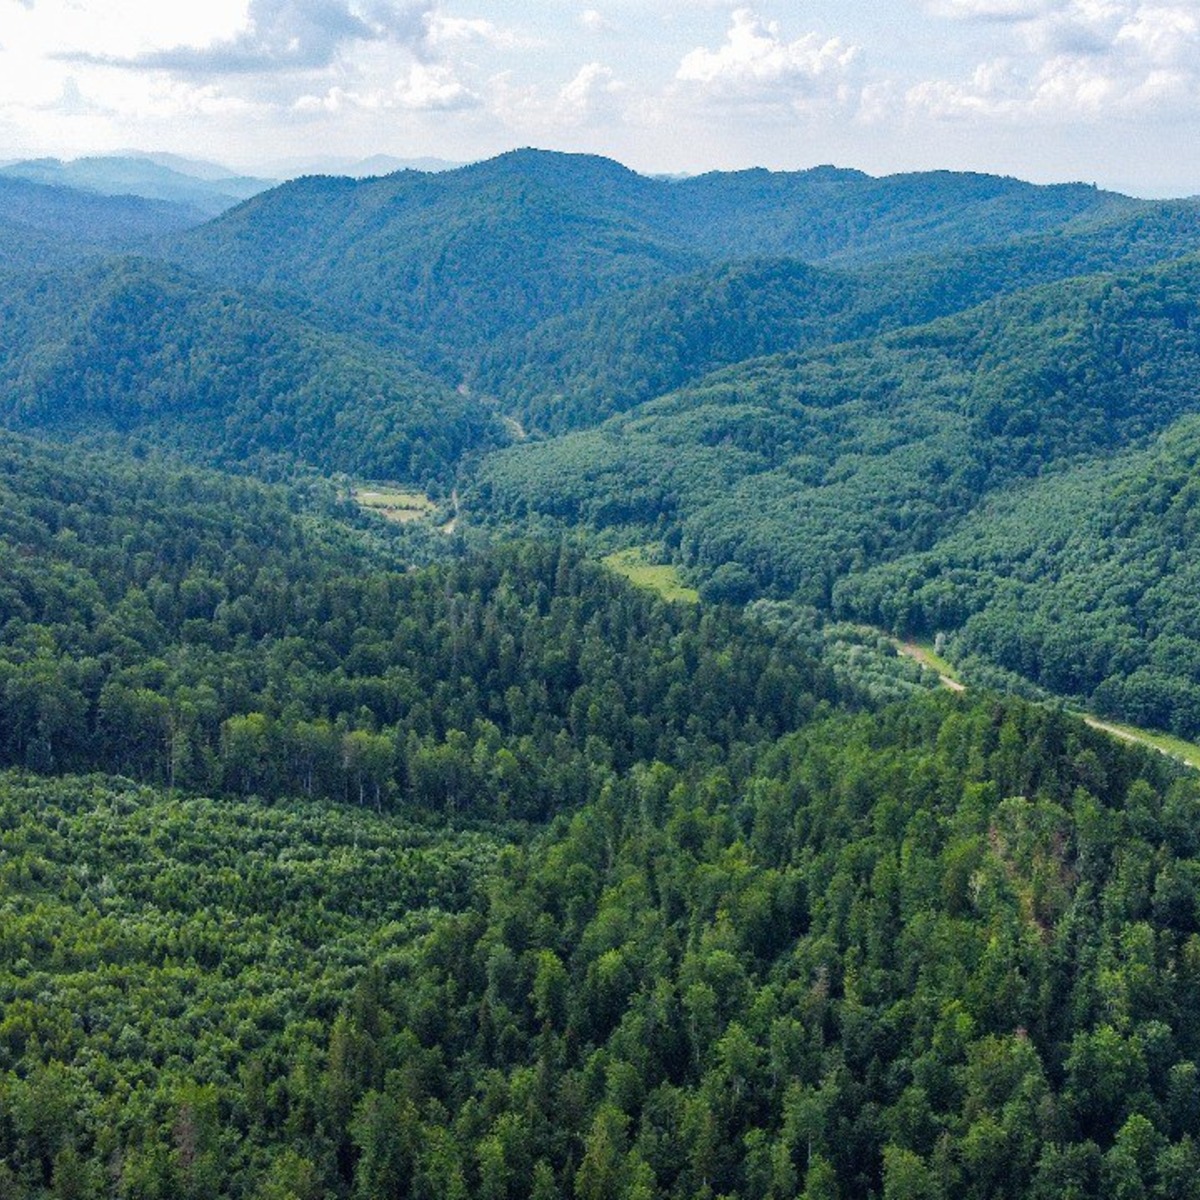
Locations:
(453, 740)
(793, 380)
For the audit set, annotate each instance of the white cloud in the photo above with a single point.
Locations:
(590, 95)
(1164, 35)
(449, 31)
(756, 63)
(429, 88)
(285, 35)
(1081, 59)
(595, 21)
(423, 88)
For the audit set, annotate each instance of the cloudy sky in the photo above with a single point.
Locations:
(1099, 90)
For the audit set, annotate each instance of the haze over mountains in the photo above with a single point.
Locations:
(204, 187)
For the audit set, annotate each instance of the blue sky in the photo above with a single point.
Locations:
(1100, 90)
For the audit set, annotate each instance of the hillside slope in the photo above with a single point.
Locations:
(521, 877)
(795, 474)
(457, 259)
(1084, 582)
(575, 369)
(209, 193)
(44, 226)
(132, 348)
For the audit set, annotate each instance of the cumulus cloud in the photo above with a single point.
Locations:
(1080, 59)
(432, 88)
(290, 35)
(590, 95)
(423, 88)
(595, 21)
(756, 63)
(448, 31)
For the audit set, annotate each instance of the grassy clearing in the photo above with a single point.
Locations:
(927, 656)
(1165, 743)
(394, 503)
(636, 566)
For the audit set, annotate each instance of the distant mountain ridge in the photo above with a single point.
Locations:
(209, 192)
(460, 258)
(574, 370)
(791, 382)
(43, 225)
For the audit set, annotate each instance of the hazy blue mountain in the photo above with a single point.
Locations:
(137, 175)
(446, 261)
(43, 225)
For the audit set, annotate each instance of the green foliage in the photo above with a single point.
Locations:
(1082, 582)
(452, 261)
(42, 226)
(574, 370)
(518, 881)
(196, 632)
(811, 472)
(133, 348)
(929, 951)
(168, 971)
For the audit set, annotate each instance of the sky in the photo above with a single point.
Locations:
(1104, 91)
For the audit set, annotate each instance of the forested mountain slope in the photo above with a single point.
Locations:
(189, 628)
(134, 348)
(796, 472)
(42, 225)
(950, 949)
(447, 261)
(828, 214)
(574, 370)
(459, 258)
(1084, 582)
(138, 175)
(762, 943)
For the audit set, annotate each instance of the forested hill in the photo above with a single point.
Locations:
(458, 258)
(131, 348)
(331, 872)
(207, 194)
(795, 473)
(191, 629)
(445, 261)
(1084, 581)
(516, 881)
(42, 225)
(574, 370)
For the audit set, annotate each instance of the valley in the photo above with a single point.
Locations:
(541, 681)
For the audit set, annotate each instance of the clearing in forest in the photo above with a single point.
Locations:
(393, 503)
(664, 578)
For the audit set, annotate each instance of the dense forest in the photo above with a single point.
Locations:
(131, 347)
(42, 225)
(797, 474)
(442, 856)
(574, 370)
(604, 896)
